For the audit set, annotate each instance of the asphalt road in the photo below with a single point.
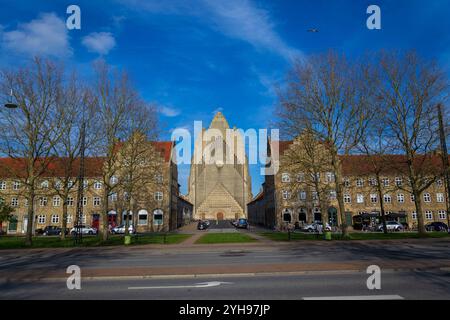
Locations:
(394, 285)
(204, 255)
(418, 271)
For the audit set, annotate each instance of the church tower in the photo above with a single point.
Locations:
(219, 180)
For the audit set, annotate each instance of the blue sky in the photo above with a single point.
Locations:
(196, 57)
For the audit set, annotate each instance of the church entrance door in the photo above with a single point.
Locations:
(219, 216)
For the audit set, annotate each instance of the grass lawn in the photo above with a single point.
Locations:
(224, 238)
(283, 236)
(91, 241)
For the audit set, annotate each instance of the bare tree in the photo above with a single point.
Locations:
(114, 99)
(409, 92)
(308, 159)
(74, 109)
(376, 145)
(28, 134)
(328, 94)
(138, 159)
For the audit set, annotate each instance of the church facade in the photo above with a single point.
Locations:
(219, 180)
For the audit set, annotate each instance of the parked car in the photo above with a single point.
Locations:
(51, 231)
(121, 229)
(83, 230)
(391, 226)
(436, 226)
(202, 225)
(242, 224)
(313, 227)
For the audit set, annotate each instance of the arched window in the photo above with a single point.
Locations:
(317, 214)
(143, 217)
(287, 215)
(302, 215)
(158, 216)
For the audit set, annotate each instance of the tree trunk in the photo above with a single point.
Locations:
(105, 231)
(64, 221)
(418, 202)
(380, 195)
(30, 213)
(339, 193)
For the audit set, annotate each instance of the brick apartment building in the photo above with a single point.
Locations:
(156, 208)
(291, 197)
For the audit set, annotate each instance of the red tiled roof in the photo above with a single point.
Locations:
(10, 167)
(165, 147)
(363, 164)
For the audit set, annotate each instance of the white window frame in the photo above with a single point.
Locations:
(54, 219)
(385, 182)
(159, 196)
(98, 185)
(285, 177)
(359, 198)
(347, 198)
(400, 198)
(414, 215)
(346, 182)
(2, 185)
(43, 201)
(114, 180)
(427, 197)
(442, 215)
(373, 198)
(158, 212)
(360, 182)
(14, 202)
(333, 195)
(398, 181)
(387, 198)
(84, 201)
(429, 215)
(96, 201)
(329, 176)
(302, 195)
(70, 201)
(56, 201)
(285, 194)
(113, 196)
(440, 198)
(439, 183)
(141, 213)
(41, 219)
(44, 184)
(16, 185)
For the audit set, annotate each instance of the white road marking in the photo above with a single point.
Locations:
(371, 297)
(197, 285)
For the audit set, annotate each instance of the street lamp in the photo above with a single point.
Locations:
(10, 104)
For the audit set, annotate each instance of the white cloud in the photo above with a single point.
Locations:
(169, 111)
(243, 20)
(99, 42)
(46, 35)
(238, 19)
